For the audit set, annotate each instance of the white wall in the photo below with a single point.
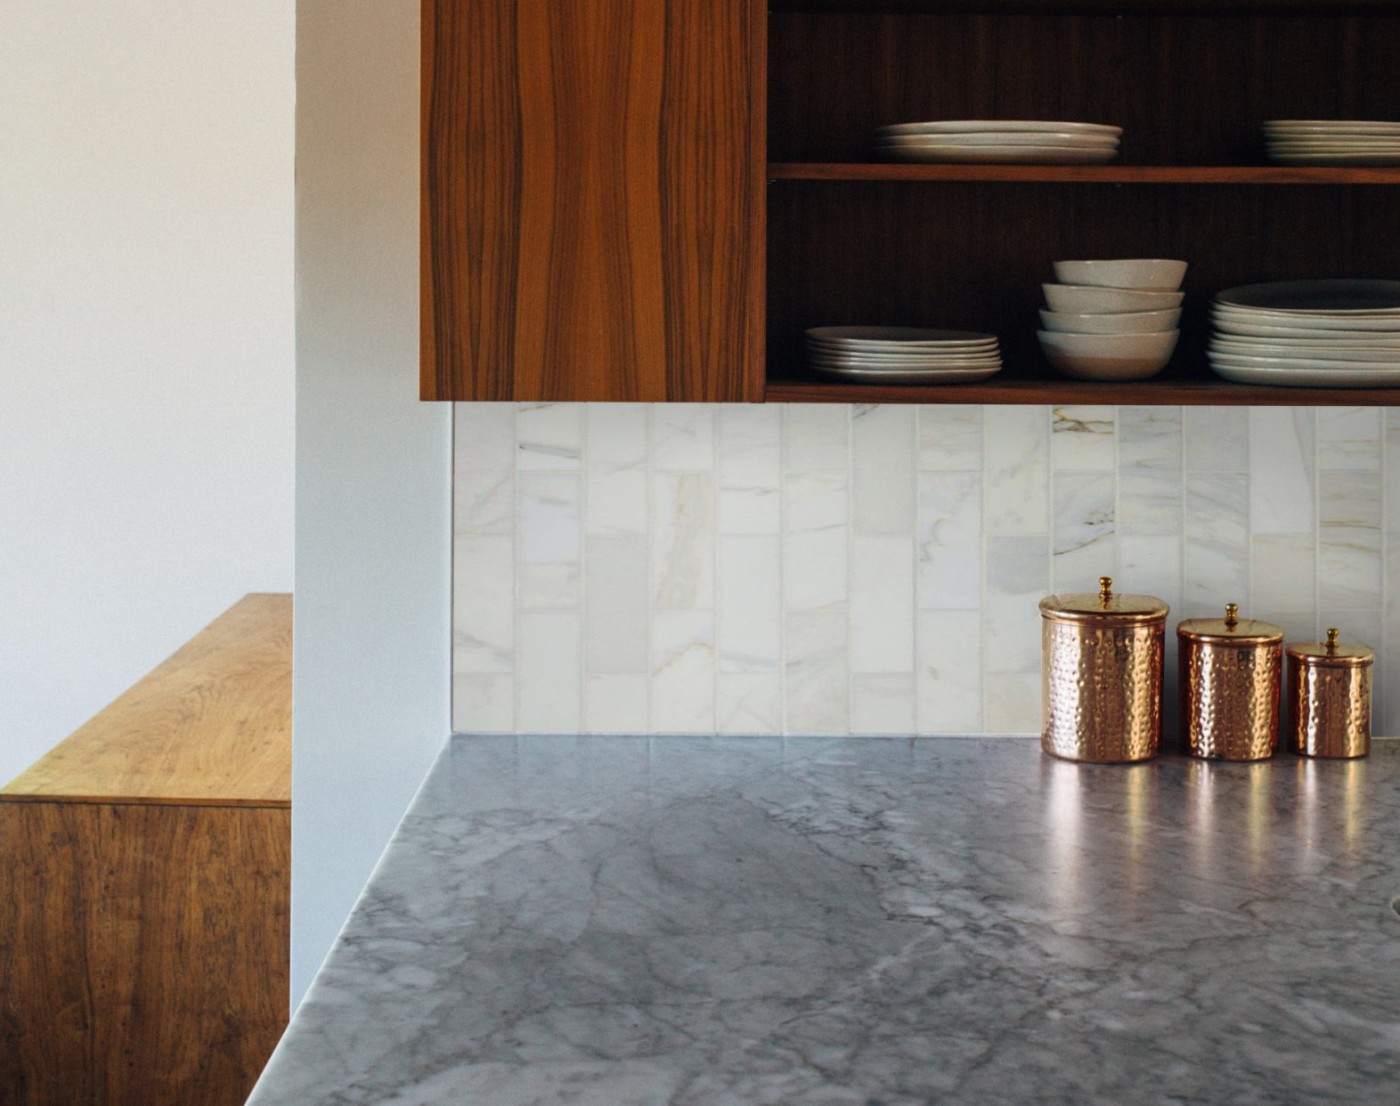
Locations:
(373, 467)
(146, 340)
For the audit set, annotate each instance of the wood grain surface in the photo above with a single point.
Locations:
(592, 199)
(144, 952)
(212, 724)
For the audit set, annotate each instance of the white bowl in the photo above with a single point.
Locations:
(1124, 322)
(1109, 356)
(1080, 299)
(1151, 274)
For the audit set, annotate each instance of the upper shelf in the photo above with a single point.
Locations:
(1087, 174)
(1095, 7)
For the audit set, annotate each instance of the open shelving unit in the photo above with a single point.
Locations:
(851, 241)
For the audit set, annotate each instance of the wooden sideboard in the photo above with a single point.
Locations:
(145, 901)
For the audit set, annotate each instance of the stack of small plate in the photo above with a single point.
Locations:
(999, 141)
(1309, 333)
(902, 355)
(1332, 142)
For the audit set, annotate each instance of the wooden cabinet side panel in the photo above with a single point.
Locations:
(592, 205)
(146, 952)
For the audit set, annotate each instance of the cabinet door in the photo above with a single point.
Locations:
(592, 216)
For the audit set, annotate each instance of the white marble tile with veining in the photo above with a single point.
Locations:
(1281, 469)
(682, 436)
(1216, 439)
(950, 437)
(1083, 438)
(548, 587)
(550, 529)
(615, 436)
(682, 541)
(882, 605)
(883, 705)
(615, 704)
(816, 540)
(682, 672)
(483, 603)
(483, 437)
(816, 437)
(750, 470)
(1017, 476)
(1012, 702)
(1217, 539)
(749, 703)
(1283, 571)
(1349, 541)
(1349, 438)
(949, 539)
(483, 502)
(882, 469)
(1150, 485)
(548, 681)
(483, 703)
(750, 604)
(616, 502)
(948, 679)
(617, 614)
(816, 672)
(1018, 578)
(1152, 566)
(549, 437)
(1085, 530)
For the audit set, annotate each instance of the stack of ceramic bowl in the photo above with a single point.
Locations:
(999, 141)
(1332, 142)
(902, 355)
(1112, 320)
(1309, 333)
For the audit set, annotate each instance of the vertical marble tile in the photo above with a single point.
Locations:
(882, 605)
(1349, 439)
(816, 672)
(1281, 470)
(1152, 566)
(549, 521)
(749, 469)
(1349, 541)
(483, 604)
(483, 703)
(483, 437)
(1283, 571)
(1217, 539)
(616, 502)
(882, 469)
(816, 537)
(749, 703)
(1216, 439)
(1083, 438)
(483, 502)
(615, 468)
(1012, 703)
(1085, 534)
(816, 437)
(1017, 476)
(615, 625)
(882, 704)
(950, 437)
(549, 437)
(548, 680)
(682, 436)
(750, 604)
(615, 704)
(949, 676)
(1018, 578)
(1150, 484)
(682, 672)
(949, 538)
(682, 541)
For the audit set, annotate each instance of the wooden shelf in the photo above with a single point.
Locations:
(1095, 7)
(1081, 174)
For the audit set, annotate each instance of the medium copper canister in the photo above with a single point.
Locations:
(1101, 675)
(1329, 698)
(1230, 677)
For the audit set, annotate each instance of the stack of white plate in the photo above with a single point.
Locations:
(902, 354)
(1309, 333)
(1332, 141)
(999, 141)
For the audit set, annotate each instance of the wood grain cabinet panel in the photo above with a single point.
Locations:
(145, 883)
(592, 200)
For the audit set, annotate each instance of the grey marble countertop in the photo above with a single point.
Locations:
(864, 922)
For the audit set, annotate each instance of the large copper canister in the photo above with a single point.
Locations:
(1230, 677)
(1101, 675)
(1329, 698)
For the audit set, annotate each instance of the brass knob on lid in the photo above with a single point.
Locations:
(1105, 590)
(1232, 615)
(1332, 634)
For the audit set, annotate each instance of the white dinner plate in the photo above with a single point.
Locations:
(974, 126)
(1331, 126)
(1370, 161)
(873, 362)
(904, 366)
(902, 335)
(1001, 155)
(951, 349)
(1344, 298)
(1001, 138)
(1322, 351)
(1343, 378)
(1261, 328)
(1296, 364)
(926, 376)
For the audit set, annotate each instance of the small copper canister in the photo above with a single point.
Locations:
(1329, 698)
(1230, 676)
(1101, 675)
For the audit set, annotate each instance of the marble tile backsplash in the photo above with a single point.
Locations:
(829, 569)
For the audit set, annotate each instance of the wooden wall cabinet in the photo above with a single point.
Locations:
(145, 884)
(566, 258)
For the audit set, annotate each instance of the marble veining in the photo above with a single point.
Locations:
(727, 921)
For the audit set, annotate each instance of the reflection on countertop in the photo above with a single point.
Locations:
(710, 922)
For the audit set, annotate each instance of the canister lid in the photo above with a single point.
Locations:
(1230, 630)
(1103, 607)
(1332, 653)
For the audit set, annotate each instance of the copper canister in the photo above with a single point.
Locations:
(1230, 676)
(1101, 675)
(1329, 698)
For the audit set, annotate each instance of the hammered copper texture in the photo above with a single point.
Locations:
(1230, 699)
(1101, 691)
(1330, 706)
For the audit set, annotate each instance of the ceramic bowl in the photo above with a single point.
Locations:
(1108, 356)
(1150, 274)
(1078, 299)
(1124, 322)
